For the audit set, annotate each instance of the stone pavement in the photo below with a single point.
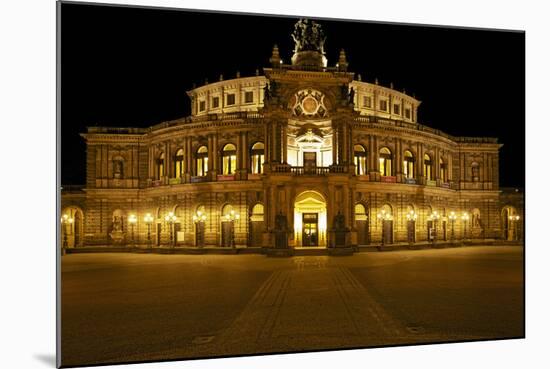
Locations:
(263, 305)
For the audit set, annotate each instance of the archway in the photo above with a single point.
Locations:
(256, 225)
(310, 219)
(509, 223)
(72, 227)
(362, 224)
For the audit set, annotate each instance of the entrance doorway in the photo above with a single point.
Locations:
(310, 162)
(310, 229)
(310, 219)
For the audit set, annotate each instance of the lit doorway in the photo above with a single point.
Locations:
(310, 220)
(310, 229)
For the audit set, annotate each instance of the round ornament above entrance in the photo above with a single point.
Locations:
(310, 103)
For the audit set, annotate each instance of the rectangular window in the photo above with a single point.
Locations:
(366, 101)
(383, 105)
(215, 102)
(231, 99)
(202, 105)
(248, 97)
(396, 109)
(408, 113)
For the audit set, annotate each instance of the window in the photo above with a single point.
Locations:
(118, 168)
(257, 158)
(202, 105)
(385, 161)
(160, 166)
(178, 164)
(366, 101)
(202, 161)
(396, 109)
(248, 97)
(383, 105)
(408, 164)
(443, 171)
(257, 213)
(215, 102)
(475, 171)
(229, 159)
(428, 167)
(360, 160)
(360, 212)
(408, 113)
(231, 99)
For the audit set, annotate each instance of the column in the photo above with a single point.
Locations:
(437, 167)
(215, 154)
(399, 160)
(267, 143)
(334, 144)
(284, 139)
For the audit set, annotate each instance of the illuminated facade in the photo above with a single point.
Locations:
(304, 155)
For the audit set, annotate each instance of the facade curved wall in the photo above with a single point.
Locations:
(309, 123)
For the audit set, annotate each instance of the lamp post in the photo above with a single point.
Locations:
(383, 216)
(452, 218)
(411, 219)
(465, 216)
(434, 217)
(199, 218)
(132, 219)
(148, 219)
(171, 218)
(513, 221)
(232, 217)
(66, 221)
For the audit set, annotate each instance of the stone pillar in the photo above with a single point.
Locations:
(334, 144)
(284, 139)
(420, 164)
(399, 160)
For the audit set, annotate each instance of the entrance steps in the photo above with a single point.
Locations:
(304, 251)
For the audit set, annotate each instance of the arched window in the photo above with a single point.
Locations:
(360, 160)
(257, 213)
(160, 166)
(202, 161)
(257, 158)
(443, 172)
(475, 171)
(118, 167)
(360, 212)
(408, 164)
(385, 161)
(428, 167)
(178, 164)
(229, 159)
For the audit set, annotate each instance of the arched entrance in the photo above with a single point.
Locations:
(72, 227)
(310, 219)
(509, 223)
(256, 225)
(361, 224)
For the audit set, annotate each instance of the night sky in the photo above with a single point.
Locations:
(131, 67)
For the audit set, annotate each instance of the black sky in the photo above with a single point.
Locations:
(125, 67)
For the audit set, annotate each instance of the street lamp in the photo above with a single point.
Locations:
(66, 221)
(434, 217)
(148, 219)
(465, 216)
(171, 218)
(411, 219)
(383, 216)
(452, 218)
(199, 218)
(132, 219)
(513, 221)
(232, 217)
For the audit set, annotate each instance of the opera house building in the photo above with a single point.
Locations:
(303, 154)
